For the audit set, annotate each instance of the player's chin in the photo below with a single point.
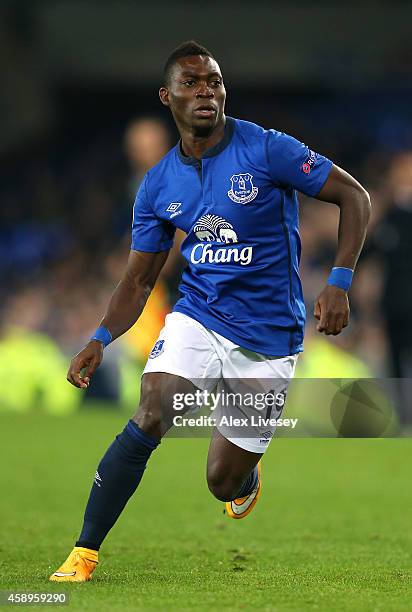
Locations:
(204, 125)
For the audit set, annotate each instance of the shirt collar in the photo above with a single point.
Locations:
(215, 150)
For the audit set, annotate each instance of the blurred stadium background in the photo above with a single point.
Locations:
(81, 123)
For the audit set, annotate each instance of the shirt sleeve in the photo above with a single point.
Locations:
(293, 164)
(149, 232)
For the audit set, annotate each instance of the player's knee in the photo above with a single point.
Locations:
(222, 486)
(149, 421)
(149, 414)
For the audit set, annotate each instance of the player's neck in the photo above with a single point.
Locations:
(195, 145)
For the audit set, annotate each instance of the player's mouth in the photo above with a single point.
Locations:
(206, 110)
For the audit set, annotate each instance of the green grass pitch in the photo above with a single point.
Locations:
(332, 530)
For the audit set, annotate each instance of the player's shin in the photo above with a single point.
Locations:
(250, 483)
(117, 477)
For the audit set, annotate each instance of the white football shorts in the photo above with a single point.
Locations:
(239, 378)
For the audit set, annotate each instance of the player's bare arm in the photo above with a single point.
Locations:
(125, 307)
(332, 305)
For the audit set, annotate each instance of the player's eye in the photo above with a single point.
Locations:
(216, 83)
(189, 83)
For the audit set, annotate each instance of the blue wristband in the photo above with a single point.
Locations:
(102, 334)
(341, 277)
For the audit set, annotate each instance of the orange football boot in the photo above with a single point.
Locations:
(78, 567)
(242, 506)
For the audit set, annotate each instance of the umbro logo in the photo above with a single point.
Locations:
(97, 479)
(173, 208)
(62, 574)
(267, 434)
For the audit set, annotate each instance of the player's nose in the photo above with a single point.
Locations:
(204, 91)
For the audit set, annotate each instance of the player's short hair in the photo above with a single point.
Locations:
(190, 47)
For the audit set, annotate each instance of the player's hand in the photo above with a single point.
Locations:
(88, 360)
(332, 310)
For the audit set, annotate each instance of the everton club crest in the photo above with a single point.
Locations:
(157, 349)
(242, 190)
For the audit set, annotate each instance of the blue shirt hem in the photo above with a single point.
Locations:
(276, 349)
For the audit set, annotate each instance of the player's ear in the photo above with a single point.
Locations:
(164, 96)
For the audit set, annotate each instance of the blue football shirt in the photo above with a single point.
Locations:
(238, 206)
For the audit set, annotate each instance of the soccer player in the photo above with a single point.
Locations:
(231, 186)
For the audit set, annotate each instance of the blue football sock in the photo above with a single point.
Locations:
(249, 484)
(117, 477)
